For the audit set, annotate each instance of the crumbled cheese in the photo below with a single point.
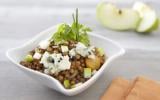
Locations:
(44, 44)
(54, 70)
(46, 71)
(83, 50)
(64, 48)
(64, 63)
(80, 45)
(72, 52)
(91, 48)
(44, 60)
(59, 62)
(37, 55)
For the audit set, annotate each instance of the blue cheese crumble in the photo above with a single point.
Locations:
(55, 63)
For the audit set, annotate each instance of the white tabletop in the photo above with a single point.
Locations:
(20, 20)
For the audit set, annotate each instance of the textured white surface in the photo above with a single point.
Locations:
(20, 20)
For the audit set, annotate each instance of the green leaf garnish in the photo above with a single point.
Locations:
(63, 33)
(75, 32)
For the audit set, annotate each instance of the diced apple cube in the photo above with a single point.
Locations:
(66, 84)
(87, 72)
(28, 58)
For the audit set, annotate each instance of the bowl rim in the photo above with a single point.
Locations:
(62, 89)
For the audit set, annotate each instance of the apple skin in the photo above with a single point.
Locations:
(117, 19)
(154, 27)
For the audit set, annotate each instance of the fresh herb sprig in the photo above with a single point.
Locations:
(75, 32)
(75, 25)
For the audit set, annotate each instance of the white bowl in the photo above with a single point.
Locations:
(112, 50)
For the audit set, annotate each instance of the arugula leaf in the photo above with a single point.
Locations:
(63, 33)
(83, 36)
(76, 32)
(84, 29)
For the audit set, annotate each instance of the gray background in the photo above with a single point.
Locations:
(22, 19)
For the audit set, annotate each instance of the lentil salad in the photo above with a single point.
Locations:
(67, 56)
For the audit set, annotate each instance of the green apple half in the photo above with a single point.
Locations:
(117, 19)
(149, 20)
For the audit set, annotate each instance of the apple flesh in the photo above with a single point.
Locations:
(149, 20)
(117, 19)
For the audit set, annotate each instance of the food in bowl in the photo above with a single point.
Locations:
(67, 56)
